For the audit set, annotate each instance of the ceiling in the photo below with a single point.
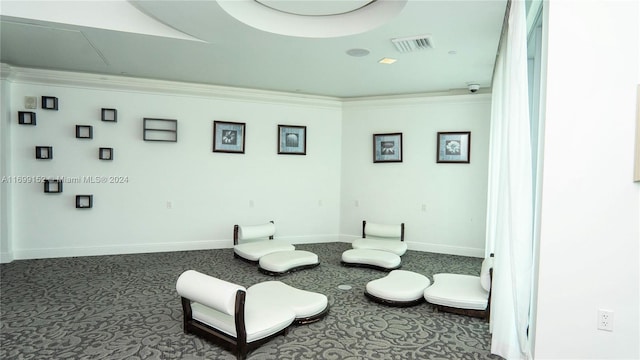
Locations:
(201, 42)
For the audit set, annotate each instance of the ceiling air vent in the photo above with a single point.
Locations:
(412, 43)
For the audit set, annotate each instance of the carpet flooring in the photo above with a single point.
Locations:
(126, 307)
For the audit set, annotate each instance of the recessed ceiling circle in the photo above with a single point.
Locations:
(357, 52)
(293, 20)
(315, 8)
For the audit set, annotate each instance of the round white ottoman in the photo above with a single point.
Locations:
(376, 259)
(398, 288)
(280, 262)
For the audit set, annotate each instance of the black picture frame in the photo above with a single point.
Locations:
(50, 103)
(387, 147)
(229, 137)
(105, 153)
(26, 118)
(292, 140)
(84, 132)
(454, 147)
(109, 115)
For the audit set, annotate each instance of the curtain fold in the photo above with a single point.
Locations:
(510, 193)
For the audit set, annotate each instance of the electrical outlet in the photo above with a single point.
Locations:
(605, 320)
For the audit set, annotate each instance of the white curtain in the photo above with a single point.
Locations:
(510, 194)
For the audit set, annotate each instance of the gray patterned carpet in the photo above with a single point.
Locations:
(126, 307)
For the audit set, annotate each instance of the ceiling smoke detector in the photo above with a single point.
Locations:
(412, 43)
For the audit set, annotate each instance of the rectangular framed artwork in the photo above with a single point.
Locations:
(228, 137)
(454, 147)
(292, 140)
(387, 147)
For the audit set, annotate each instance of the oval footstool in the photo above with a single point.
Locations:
(376, 259)
(307, 305)
(281, 262)
(398, 288)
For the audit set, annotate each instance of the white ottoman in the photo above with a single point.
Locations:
(308, 306)
(280, 262)
(398, 288)
(376, 259)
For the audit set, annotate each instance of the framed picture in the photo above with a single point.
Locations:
(387, 147)
(292, 140)
(228, 137)
(454, 147)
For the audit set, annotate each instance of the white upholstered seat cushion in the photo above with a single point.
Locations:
(261, 320)
(391, 245)
(399, 285)
(458, 291)
(378, 258)
(256, 249)
(283, 261)
(276, 293)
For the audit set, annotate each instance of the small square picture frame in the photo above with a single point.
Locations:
(26, 118)
(44, 152)
(228, 137)
(84, 201)
(454, 147)
(84, 132)
(292, 140)
(109, 115)
(387, 147)
(52, 186)
(105, 153)
(50, 103)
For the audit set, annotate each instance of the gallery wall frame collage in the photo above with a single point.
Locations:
(453, 147)
(45, 152)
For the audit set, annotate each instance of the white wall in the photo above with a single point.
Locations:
(209, 192)
(309, 197)
(589, 250)
(454, 195)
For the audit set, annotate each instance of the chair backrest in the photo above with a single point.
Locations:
(486, 278)
(250, 232)
(382, 230)
(207, 290)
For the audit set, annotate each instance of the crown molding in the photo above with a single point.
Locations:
(132, 84)
(454, 96)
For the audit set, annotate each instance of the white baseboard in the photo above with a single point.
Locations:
(434, 248)
(446, 249)
(311, 239)
(120, 249)
(211, 244)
